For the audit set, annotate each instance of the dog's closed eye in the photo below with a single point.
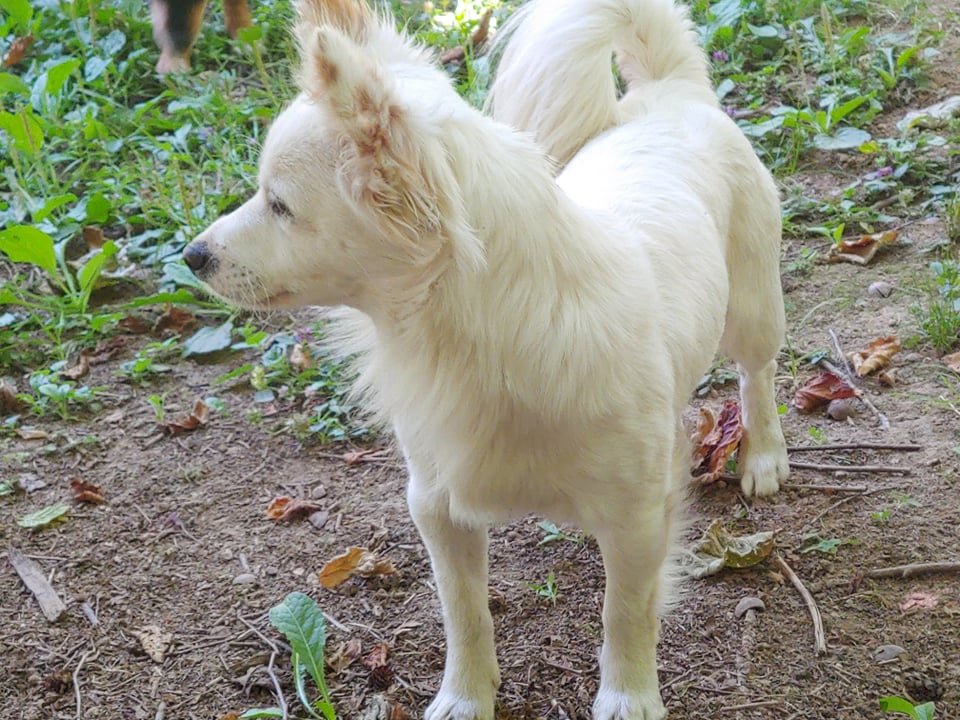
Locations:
(279, 208)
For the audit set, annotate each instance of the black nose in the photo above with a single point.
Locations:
(198, 258)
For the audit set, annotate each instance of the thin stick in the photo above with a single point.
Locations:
(905, 571)
(274, 651)
(819, 638)
(76, 681)
(826, 488)
(905, 447)
(842, 502)
(826, 467)
(35, 581)
(750, 706)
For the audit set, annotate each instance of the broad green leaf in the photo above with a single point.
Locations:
(95, 67)
(113, 43)
(44, 516)
(299, 675)
(52, 204)
(58, 74)
(925, 711)
(302, 623)
(249, 35)
(94, 266)
(179, 273)
(763, 31)
(893, 703)
(180, 296)
(98, 209)
(846, 138)
(209, 339)
(23, 243)
(10, 84)
(262, 713)
(24, 130)
(19, 10)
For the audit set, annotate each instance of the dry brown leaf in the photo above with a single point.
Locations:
(231, 716)
(377, 657)
(381, 671)
(154, 641)
(285, 509)
(133, 325)
(31, 433)
(93, 237)
(862, 250)
(174, 321)
(398, 712)
(197, 417)
(875, 356)
(345, 655)
(86, 492)
(715, 441)
(9, 401)
(355, 561)
(917, 601)
(820, 390)
(18, 49)
(105, 350)
(952, 361)
(79, 370)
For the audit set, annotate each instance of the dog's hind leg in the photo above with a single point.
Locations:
(753, 336)
(634, 545)
(176, 24)
(459, 558)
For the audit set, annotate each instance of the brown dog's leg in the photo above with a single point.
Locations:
(176, 24)
(236, 15)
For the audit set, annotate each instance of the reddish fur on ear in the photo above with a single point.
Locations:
(353, 17)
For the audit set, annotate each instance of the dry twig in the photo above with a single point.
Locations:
(902, 447)
(906, 571)
(76, 680)
(826, 467)
(31, 575)
(847, 373)
(837, 504)
(819, 638)
(826, 488)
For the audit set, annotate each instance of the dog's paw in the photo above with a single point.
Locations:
(452, 706)
(764, 469)
(613, 705)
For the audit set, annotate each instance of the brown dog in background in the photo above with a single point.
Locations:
(176, 24)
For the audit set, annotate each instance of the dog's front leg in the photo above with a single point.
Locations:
(634, 549)
(459, 558)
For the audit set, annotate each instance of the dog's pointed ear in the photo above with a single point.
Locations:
(391, 162)
(353, 17)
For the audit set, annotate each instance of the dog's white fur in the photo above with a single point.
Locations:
(532, 338)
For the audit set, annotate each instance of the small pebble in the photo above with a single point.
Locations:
(880, 289)
(840, 409)
(245, 579)
(885, 653)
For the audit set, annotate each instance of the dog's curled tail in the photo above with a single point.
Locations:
(555, 78)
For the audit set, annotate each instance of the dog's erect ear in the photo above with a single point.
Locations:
(353, 17)
(392, 163)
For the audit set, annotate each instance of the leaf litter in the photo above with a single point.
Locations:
(715, 441)
(355, 561)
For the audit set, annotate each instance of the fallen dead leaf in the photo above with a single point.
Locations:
(862, 250)
(197, 417)
(9, 401)
(79, 370)
(875, 356)
(718, 549)
(28, 432)
(715, 441)
(355, 561)
(174, 321)
(133, 325)
(154, 641)
(918, 601)
(93, 237)
(820, 390)
(86, 492)
(285, 509)
(952, 361)
(345, 655)
(300, 358)
(231, 716)
(381, 671)
(18, 49)
(355, 457)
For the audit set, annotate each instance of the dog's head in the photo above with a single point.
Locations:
(356, 198)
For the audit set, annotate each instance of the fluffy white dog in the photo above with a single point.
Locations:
(531, 338)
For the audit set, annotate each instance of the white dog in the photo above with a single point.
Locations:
(531, 338)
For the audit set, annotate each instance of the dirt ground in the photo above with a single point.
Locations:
(183, 543)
